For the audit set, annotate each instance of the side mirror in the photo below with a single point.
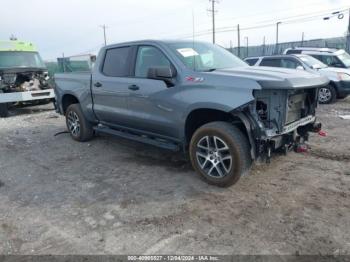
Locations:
(161, 73)
(300, 68)
(316, 66)
(165, 74)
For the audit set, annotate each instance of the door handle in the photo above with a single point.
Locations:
(134, 87)
(97, 84)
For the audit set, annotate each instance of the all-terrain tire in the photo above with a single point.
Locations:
(226, 136)
(78, 126)
(327, 95)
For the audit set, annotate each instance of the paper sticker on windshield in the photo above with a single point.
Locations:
(186, 52)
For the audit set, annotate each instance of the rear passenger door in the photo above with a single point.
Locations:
(110, 85)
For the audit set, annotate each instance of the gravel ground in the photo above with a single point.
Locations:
(112, 196)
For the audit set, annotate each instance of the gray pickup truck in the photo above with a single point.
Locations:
(191, 96)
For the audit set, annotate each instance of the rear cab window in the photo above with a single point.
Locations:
(117, 62)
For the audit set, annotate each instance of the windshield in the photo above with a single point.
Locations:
(312, 62)
(205, 57)
(345, 58)
(17, 59)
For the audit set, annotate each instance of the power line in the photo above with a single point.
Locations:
(287, 20)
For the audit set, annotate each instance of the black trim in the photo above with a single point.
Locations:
(139, 132)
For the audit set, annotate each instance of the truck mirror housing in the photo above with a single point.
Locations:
(161, 73)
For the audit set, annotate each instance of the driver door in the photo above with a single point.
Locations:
(149, 102)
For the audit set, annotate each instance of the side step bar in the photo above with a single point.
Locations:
(143, 139)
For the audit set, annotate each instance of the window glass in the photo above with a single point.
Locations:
(345, 58)
(329, 60)
(251, 61)
(312, 61)
(289, 63)
(293, 51)
(200, 56)
(147, 57)
(271, 62)
(15, 59)
(116, 62)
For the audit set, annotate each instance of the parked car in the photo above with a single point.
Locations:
(23, 75)
(191, 96)
(329, 56)
(339, 85)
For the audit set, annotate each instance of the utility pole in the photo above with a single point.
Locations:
(231, 48)
(302, 39)
(247, 45)
(277, 24)
(212, 10)
(348, 35)
(238, 41)
(104, 33)
(264, 45)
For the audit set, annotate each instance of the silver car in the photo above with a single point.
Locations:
(339, 86)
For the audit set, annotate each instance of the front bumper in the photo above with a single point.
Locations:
(292, 132)
(270, 133)
(27, 96)
(343, 88)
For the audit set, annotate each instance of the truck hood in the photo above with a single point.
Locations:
(275, 78)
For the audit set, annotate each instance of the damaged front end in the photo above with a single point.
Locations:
(22, 80)
(282, 119)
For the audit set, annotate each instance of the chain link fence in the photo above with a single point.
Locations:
(262, 50)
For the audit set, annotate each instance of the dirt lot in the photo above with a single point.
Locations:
(112, 196)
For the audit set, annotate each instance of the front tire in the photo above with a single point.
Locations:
(79, 128)
(327, 95)
(220, 153)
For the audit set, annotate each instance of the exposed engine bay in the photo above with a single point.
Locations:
(24, 80)
(284, 118)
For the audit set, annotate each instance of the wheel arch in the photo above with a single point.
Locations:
(201, 116)
(67, 100)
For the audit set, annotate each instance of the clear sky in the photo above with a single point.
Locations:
(72, 26)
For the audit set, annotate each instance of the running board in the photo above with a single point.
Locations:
(143, 139)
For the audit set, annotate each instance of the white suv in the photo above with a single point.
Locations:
(329, 56)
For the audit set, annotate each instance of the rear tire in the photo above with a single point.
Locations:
(79, 128)
(220, 153)
(327, 95)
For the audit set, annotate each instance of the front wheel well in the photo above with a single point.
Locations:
(68, 100)
(200, 117)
